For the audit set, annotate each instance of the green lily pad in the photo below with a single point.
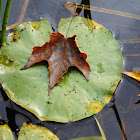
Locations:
(33, 132)
(5, 133)
(73, 98)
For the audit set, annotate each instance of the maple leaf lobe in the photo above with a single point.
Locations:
(61, 53)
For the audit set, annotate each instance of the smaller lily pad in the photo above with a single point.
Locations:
(33, 132)
(5, 132)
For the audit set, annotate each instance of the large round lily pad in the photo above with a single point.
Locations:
(73, 98)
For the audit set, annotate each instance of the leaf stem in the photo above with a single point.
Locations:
(100, 128)
(5, 20)
(69, 26)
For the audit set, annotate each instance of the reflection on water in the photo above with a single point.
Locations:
(120, 118)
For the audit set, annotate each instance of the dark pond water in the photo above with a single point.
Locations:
(121, 110)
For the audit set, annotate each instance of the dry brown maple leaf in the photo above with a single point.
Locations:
(61, 53)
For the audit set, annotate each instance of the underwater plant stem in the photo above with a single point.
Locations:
(5, 20)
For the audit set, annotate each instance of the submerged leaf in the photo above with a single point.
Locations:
(61, 53)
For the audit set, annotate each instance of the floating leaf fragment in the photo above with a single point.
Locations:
(135, 75)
